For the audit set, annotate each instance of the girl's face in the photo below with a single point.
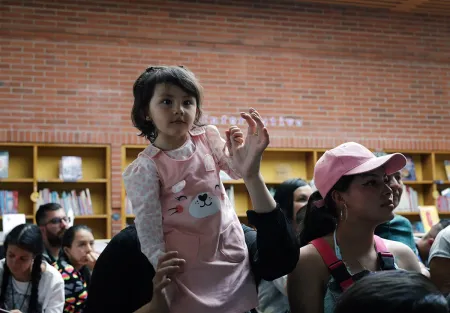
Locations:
(19, 261)
(369, 197)
(82, 245)
(301, 196)
(173, 113)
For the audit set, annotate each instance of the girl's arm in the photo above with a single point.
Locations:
(141, 182)
(218, 146)
(305, 285)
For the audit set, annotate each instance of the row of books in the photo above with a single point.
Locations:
(4, 164)
(443, 201)
(409, 171)
(70, 167)
(409, 202)
(418, 228)
(9, 201)
(80, 204)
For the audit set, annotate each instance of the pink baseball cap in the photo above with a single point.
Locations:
(351, 158)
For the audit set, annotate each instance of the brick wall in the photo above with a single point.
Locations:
(67, 69)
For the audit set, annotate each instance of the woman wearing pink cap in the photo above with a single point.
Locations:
(337, 234)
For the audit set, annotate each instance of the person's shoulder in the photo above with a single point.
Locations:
(122, 245)
(443, 235)
(311, 257)
(441, 244)
(127, 237)
(142, 165)
(404, 256)
(51, 274)
(395, 246)
(200, 130)
(400, 222)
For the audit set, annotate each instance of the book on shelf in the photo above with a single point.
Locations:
(429, 216)
(128, 207)
(224, 176)
(9, 202)
(272, 190)
(70, 168)
(80, 204)
(443, 201)
(409, 171)
(418, 227)
(447, 168)
(230, 193)
(12, 220)
(4, 164)
(409, 201)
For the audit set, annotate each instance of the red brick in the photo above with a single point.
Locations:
(349, 76)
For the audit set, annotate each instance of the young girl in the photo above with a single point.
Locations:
(29, 284)
(178, 198)
(74, 264)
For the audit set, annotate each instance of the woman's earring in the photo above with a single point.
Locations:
(345, 213)
(148, 118)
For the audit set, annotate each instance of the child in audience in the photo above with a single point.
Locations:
(392, 292)
(28, 283)
(180, 203)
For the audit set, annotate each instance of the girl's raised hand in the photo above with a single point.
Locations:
(246, 153)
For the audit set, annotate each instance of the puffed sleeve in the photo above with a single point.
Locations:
(141, 182)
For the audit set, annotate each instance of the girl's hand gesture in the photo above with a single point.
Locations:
(246, 154)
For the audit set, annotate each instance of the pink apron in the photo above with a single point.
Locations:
(200, 223)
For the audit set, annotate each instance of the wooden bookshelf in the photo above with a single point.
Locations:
(35, 166)
(281, 164)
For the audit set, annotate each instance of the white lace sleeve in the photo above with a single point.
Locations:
(220, 151)
(141, 182)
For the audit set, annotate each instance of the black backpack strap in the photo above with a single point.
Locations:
(386, 258)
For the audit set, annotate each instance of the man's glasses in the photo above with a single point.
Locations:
(58, 220)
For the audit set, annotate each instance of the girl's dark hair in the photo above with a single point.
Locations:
(392, 291)
(29, 238)
(144, 88)
(284, 195)
(319, 222)
(69, 236)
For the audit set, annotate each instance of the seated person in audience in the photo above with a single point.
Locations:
(292, 196)
(439, 260)
(399, 228)
(28, 283)
(53, 222)
(75, 264)
(392, 292)
(425, 242)
(337, 234)
(122, 279)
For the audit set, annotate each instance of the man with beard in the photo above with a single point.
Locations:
(53, 222)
